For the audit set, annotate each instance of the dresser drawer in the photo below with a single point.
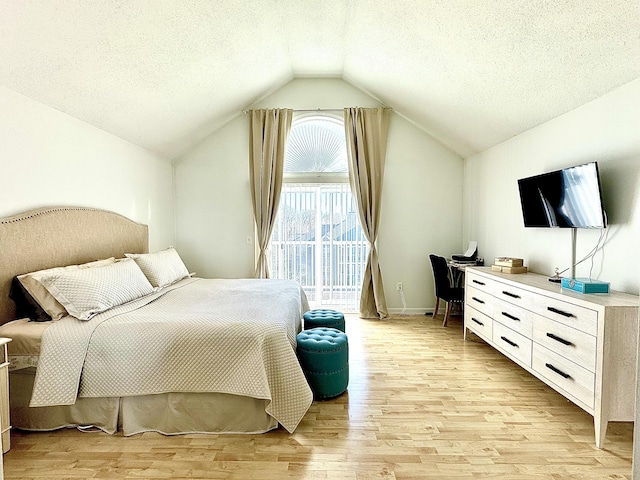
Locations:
(572, 315)
(478, 323)
(479, 282)
(514, 295)
(512, 343)
(574, 345)
(514, 317)
(481, 301)
(573, 379)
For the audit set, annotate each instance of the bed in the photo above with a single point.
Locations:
(194, 355)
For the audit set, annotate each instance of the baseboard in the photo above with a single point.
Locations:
(410, 311)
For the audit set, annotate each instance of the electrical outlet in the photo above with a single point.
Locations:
(399, 286)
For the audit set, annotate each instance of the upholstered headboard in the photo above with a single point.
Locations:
(60, 236)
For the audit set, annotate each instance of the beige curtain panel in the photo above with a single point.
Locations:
(366, 131)
(269, 131)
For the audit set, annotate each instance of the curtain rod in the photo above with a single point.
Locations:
(310, 110)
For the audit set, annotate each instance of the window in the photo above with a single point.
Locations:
(318, 240)
(316, 145)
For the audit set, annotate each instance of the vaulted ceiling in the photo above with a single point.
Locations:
(164, 74)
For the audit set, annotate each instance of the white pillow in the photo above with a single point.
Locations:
(32, 284)
(87, 292)
(161, 268)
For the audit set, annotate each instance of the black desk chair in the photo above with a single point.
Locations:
(444, 289)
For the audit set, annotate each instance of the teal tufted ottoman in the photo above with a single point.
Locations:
(323, 318)
(323, 354)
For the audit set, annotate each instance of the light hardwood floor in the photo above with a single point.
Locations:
(421, 404)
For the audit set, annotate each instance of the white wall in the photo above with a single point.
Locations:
(213, 204)
(421, 211)
(49, 158)
(606, 130)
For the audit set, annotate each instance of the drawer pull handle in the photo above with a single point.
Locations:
(557, 370)
(509, 294)
(477, 300)
(559, 339)
(478, 282)
(477, 321)
(513, 344)
(510, 316)
(560, 312)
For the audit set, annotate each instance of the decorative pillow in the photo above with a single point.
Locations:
(161, 268)
(33, 285)
(26, 306)
(89, 291)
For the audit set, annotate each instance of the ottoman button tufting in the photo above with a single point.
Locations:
(324, 318)
(323, 353)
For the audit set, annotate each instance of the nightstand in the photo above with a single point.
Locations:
(5, 425)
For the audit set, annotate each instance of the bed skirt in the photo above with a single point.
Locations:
(169, 414)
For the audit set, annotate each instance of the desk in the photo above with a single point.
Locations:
(456, 271)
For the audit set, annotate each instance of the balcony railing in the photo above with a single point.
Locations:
(318, 242)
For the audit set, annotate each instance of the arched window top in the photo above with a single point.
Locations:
(317, 144)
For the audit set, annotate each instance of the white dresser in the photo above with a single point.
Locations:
(583, 346)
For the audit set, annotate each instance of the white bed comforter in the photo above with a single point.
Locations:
(200, 335)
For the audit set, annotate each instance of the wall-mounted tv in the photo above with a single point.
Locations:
(567, 198)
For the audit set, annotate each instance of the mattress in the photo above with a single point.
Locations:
(26, 338)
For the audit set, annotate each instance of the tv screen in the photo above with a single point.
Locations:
(569, 198)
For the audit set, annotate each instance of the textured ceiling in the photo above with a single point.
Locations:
(165, 74)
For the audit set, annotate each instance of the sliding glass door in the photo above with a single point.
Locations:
(318, 241)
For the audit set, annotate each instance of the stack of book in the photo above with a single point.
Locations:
(508, 265)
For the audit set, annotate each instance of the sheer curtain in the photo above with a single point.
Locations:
(269, 131)
(366, 131)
